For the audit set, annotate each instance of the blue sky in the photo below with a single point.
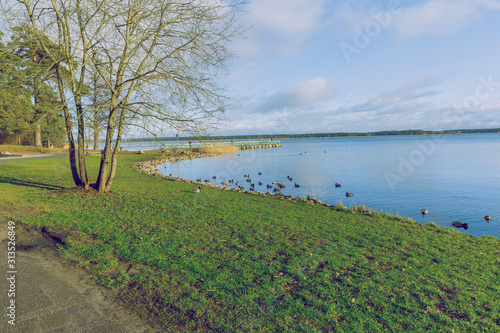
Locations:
(344, 66)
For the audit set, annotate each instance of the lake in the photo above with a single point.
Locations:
(455, 177)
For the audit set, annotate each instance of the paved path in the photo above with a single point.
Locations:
(53, 296)
(8, 158)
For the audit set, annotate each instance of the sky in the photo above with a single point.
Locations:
(314, 66)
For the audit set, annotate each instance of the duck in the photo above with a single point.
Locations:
(260, 183)
(347, 194)
(249, 180)
(297, 185)
(197, 190)
(269, 186)
(231, 181)
(487, 218)
(457, 224)
(237, 184)
(224, 183)
(338, 185)
(214, 177)
(207, 180)
(275, 182)
(198, 180)
(281, 186)
(424, 211)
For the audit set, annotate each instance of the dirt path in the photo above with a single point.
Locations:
(53, 296)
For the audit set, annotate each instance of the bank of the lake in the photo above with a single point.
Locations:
(454, 177)
(226, 261)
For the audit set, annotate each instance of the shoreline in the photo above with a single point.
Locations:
(150, 168)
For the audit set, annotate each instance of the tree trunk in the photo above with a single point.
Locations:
(81, 143)
(115, 151)
(96, 138)
(38, 135)
(69, 132)
(38, 128)
(105, 157)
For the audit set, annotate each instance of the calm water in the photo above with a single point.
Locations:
(456, 177)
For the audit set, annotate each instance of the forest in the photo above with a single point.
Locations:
(324, 135)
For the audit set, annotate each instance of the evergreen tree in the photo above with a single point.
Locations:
(16, 109)
(39, 73)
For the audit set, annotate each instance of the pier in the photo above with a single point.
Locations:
(240, 145)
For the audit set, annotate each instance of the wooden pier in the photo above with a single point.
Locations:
(240, 145)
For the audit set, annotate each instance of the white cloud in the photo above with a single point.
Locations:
(312, 91)
(440, 17)
(280, 24)
(416, 89)
(306, 93)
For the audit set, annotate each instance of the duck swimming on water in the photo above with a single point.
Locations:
(425, 211)
(457, 224)
(487, 218)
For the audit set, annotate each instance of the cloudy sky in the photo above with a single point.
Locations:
(311, 66)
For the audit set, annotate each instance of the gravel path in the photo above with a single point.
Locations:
(53, 296)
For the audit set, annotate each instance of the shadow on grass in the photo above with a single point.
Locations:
(31, 184)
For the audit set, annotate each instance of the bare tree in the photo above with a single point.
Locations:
(98, 96)
(160, 59)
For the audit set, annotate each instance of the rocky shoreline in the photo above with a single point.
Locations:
(150, 168)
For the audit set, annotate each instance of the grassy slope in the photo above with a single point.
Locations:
(239, 262)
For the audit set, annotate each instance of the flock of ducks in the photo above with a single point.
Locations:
(457, 224)
(278, 186)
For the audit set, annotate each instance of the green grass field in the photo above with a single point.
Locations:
(225, 261)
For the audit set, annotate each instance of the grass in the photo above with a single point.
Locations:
(15, 149)
(226, 261)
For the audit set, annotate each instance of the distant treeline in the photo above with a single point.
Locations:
(322, 135)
